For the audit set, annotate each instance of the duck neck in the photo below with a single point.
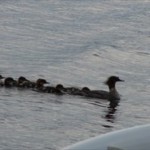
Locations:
(113, 94)
(111, 86)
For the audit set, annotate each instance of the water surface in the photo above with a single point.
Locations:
(76, 43)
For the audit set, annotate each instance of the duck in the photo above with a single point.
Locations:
(69, 90)
(53, 90)
(61, 88)
(22, 82)
(10, 82)
(112, 95)
(39, 84)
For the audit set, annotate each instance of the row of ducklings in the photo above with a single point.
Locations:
(23, 82)
(39, 85)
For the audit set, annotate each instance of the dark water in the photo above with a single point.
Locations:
(77, 43)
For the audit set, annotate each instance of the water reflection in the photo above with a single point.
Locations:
(97, 103)
(110, 115)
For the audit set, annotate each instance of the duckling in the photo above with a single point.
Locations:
(53, 90)
(61, 88)
(22, 82)
(10, 82)
(39, 85)
(68, 90)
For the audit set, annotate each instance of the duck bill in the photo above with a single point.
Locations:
(121, 80)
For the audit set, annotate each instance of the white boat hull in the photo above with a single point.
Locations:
(135, 138)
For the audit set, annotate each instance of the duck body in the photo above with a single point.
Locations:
(97, 94)
(75, 91)
(53, 90)
(69, 90)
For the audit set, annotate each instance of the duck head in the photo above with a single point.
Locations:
(59, 87)
(85, 89)
(111, 81)
(21, 79)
